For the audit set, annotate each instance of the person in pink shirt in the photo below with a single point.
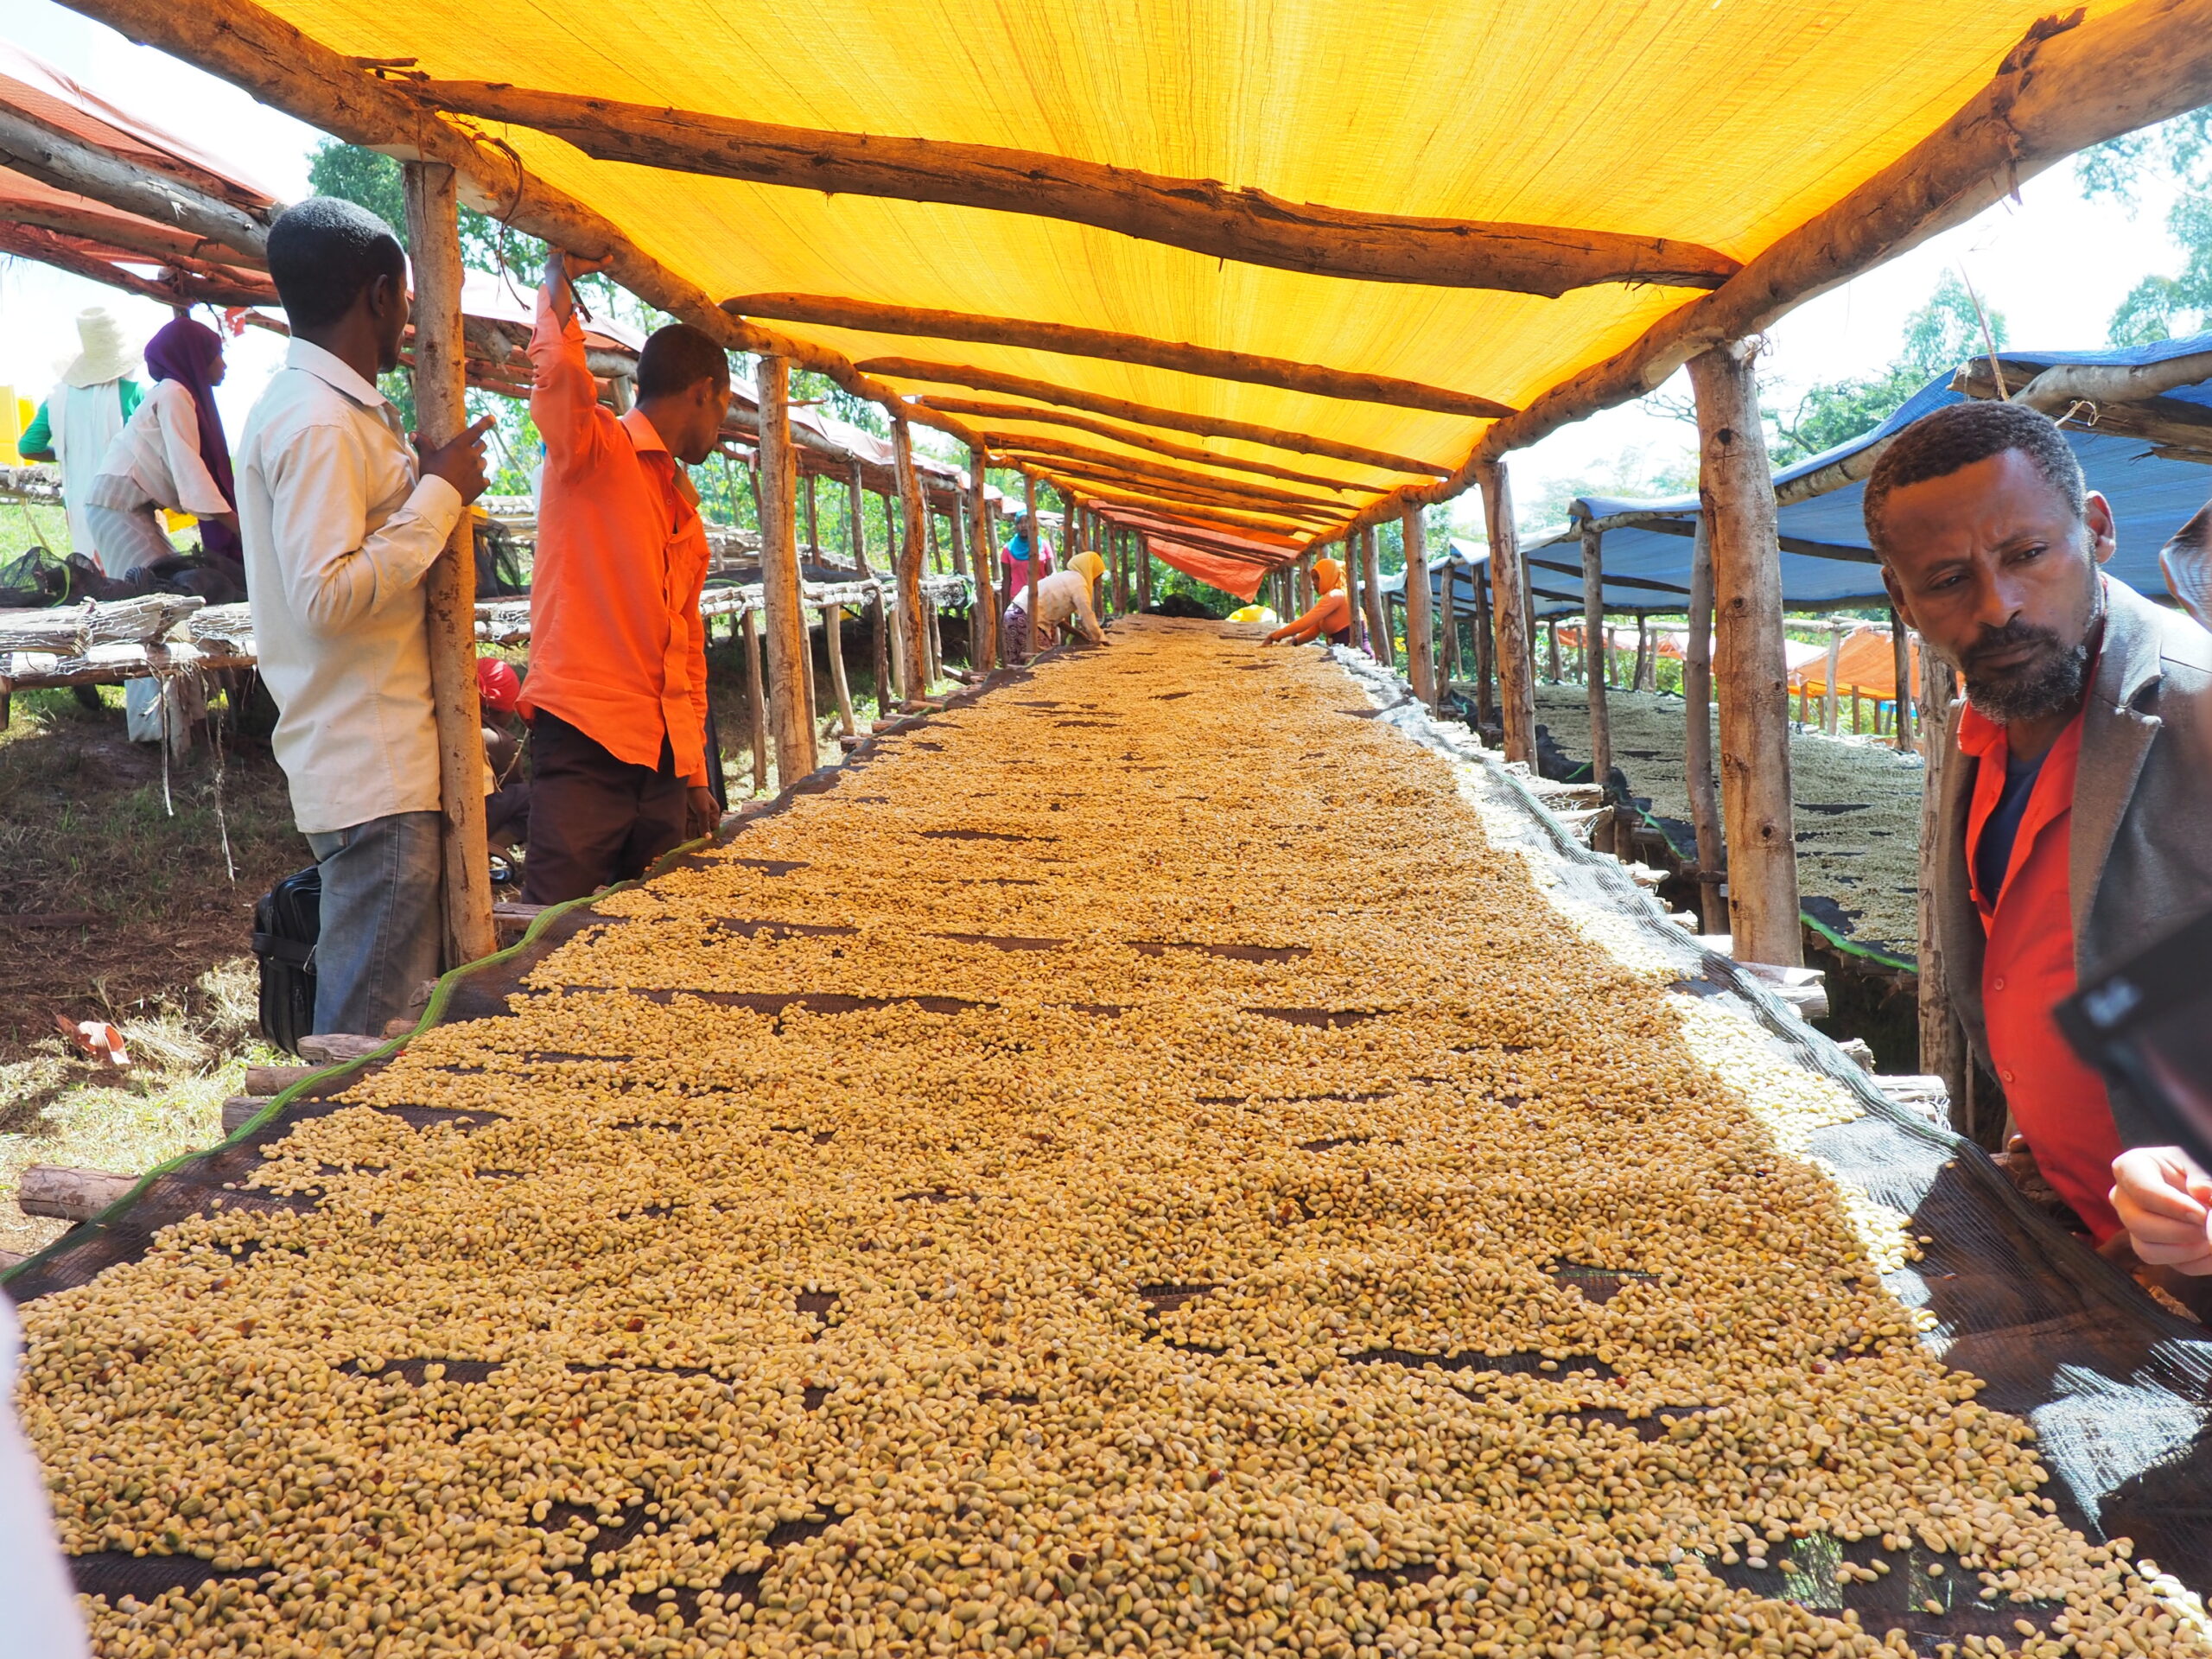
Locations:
(617, 693)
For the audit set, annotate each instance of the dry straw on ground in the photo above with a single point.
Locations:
(1103, 1302)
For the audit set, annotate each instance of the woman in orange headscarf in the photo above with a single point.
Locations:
(1330, 616)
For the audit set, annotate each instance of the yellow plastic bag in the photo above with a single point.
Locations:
(174, 521)
(1254, 613)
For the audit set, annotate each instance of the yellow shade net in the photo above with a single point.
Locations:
(1723, 123)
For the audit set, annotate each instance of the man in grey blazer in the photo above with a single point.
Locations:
(2076, 812)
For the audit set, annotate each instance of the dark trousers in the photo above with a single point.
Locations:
(595, 819)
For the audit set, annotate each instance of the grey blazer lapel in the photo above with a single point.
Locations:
(2115, 743)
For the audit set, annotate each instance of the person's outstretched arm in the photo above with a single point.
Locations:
(563, 398)
(1308, 626)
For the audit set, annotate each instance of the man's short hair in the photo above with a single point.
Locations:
(323, 252)
(677, 357)
(1955, 437)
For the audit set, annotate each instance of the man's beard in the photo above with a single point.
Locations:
(2049, 682)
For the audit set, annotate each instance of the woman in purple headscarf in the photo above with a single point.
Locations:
(172, 455)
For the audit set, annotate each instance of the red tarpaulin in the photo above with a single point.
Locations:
(1236, 563)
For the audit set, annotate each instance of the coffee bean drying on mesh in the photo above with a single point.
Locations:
(1160, 1168)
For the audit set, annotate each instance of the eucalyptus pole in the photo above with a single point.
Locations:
(1421, 627)
(1594, 654)
(449, 596)
(791, 657)
(1750, 671)
(913, 649)
(1361, 546)
(1697, 746)
(983, 623)
(1510, 610)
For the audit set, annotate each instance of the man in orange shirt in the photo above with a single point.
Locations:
(2080, 783)
(617, 693)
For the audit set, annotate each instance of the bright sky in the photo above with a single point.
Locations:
(2055, 265)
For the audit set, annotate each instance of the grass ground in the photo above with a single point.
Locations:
(113, 908)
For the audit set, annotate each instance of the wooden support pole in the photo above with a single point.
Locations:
(983, 622)
(857, 498)
(756, 684)
(1144, 571)
(1593, 653)
(956, 522)
(1348, 555)
(790, 655)
(1901, 669)
(1737, 489)
(1942, 1039)
(1510, 602)
(1828, 701)
(1697, 748)
(1361, 546)
(813, 528)
(1643, 652)
(1448, 621)
(1036, 557)
(833, 636)
(1420, 626)
(880, 633)
(450, 591)
(914, 659)
(1485, 650)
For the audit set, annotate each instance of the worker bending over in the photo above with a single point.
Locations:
(1063, 598)
(1331, 615)
(2078, 788)
(617, 693)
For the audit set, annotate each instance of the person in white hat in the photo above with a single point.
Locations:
(81, 415)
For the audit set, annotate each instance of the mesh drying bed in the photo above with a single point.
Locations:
(2117, 1389)
(2120, 1390)
(1858, 824)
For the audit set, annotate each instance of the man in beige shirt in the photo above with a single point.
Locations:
(340, 524)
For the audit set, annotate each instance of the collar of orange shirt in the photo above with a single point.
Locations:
(645, 439)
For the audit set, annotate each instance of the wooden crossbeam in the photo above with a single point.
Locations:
(283, 65)
(961, 374)
(828, 311)
(65, 162)
(181, 284)
(1202, 215)
(124, 232)
(1178, 492)
(1247, 522)
(1079, 458)
(981, 409)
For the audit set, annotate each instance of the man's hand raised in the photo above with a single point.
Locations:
(458, 461)
(561, 270)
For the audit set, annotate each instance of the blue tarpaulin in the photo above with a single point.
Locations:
(1825, 558)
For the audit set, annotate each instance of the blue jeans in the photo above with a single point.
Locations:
(382, 930)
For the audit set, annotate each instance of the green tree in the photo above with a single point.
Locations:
(372, 181)
(1942, 333)
(2161, 307)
